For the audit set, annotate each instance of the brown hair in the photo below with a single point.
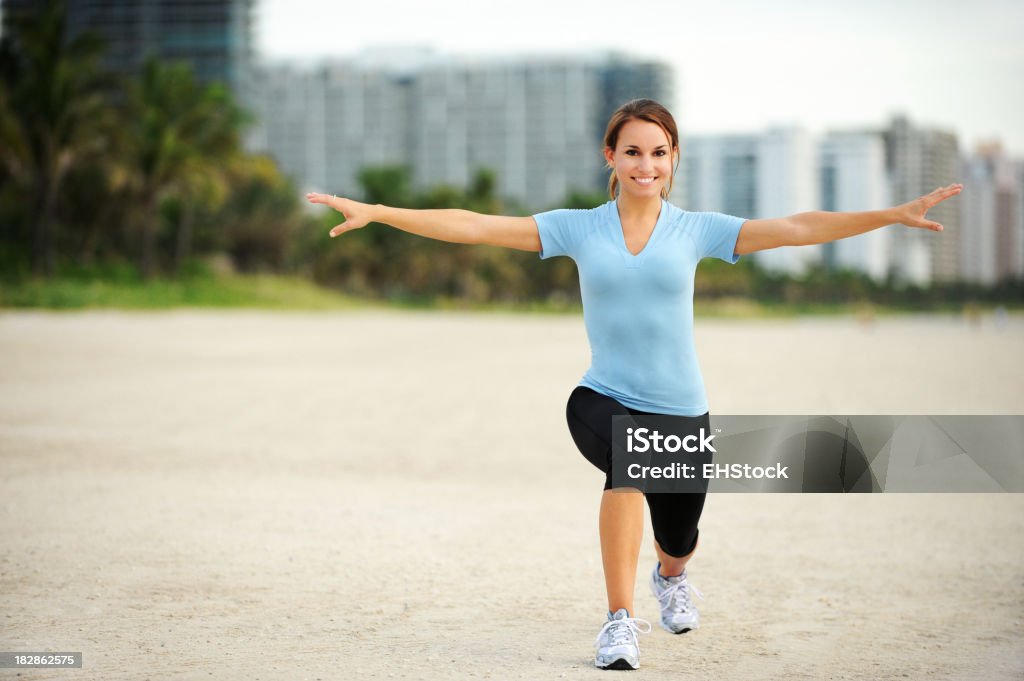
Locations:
(644, 110)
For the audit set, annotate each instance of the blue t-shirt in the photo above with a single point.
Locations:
(638, 309)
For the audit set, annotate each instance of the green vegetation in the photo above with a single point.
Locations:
(127, 290)
(96, 169)
(137, 193)
(200, 285)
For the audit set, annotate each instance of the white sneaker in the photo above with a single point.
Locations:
(616, 643)
(678, 613)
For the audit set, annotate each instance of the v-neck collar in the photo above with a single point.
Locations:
(629, 258)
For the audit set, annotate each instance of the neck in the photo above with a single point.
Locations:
(642, 209)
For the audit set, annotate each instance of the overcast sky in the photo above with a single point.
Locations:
(741, 65)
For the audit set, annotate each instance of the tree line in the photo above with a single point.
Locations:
(148, 172)
(99, 167)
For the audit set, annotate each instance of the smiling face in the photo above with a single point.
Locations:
(643, 158)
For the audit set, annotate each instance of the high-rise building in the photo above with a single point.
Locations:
(853, 178)
(214, 36)
(1007, 231)
(990, 215)
(755, 176)
(788, 185)
(918, 162)
(537, 122)
(720, 174)
(977, 257)
(1019, 229)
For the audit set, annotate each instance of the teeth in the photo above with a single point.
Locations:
(644, 180)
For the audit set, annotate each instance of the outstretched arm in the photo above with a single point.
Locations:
(819, 227)
(444, 224)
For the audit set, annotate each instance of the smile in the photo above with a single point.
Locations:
(644, 180)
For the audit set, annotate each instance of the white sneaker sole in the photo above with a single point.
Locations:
(622, 663)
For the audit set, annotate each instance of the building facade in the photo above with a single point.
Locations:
(853, 178)
(756, 176)
(215, 37)
(537, 122)
(919, 161)
(992, 242)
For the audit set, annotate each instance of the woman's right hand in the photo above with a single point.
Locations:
(356, 214)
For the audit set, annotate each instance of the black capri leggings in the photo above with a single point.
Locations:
(674, 516)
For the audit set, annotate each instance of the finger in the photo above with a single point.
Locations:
(338, 229)
(946, 193)
(941, 194)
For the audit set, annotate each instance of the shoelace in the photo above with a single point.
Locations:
(622, 632)
(678, 596)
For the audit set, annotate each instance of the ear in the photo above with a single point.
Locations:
(609, 154)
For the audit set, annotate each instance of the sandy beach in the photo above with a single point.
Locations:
(387, 495)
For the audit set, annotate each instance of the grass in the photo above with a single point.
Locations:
(116, 288)
(223, 291)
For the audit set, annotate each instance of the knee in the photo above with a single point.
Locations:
(680, 546)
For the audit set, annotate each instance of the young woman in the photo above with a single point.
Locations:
(636, 257)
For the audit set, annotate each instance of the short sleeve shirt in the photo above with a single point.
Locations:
(638, 309)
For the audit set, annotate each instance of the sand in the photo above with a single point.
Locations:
(260, 495)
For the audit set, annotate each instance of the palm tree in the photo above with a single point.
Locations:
(257, 223)
(182, 137)
(53, 113)
(213, 131)
(206, 186)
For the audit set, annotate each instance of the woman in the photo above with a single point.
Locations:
(636, 257)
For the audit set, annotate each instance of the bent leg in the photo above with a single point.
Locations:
(589, 416)
(675, 517)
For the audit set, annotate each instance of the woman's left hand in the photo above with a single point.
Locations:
(912, 214)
